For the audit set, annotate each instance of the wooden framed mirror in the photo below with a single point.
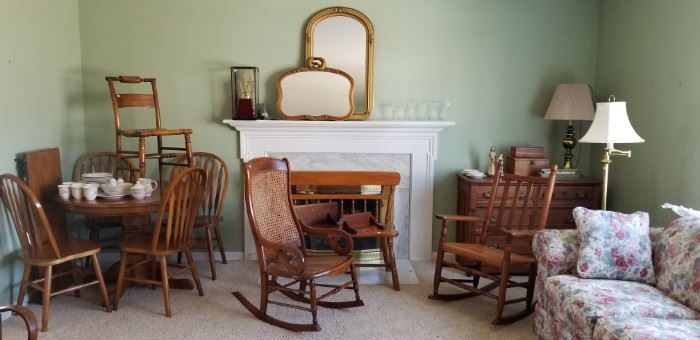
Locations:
(344, 37)
(315, 92)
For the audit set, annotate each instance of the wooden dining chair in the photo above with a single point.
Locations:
(139, 100)
(210, 214)
(517, 210)
(27, 316)
(279, 241)
(172, 233)
(41, 249)
(103, 162)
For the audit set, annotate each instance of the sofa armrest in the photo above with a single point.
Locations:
(556, 251)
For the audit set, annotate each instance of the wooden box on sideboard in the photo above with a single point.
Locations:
(526, 166)
(473, 196)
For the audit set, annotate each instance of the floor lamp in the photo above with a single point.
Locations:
(611, 125)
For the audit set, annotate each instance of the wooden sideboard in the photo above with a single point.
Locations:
(473, 196)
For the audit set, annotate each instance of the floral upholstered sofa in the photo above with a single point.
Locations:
(571, 307)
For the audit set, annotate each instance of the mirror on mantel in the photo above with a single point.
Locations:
(344, 38)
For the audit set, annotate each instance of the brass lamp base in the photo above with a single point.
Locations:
(569, 142)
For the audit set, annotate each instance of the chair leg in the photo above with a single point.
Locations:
(166, 286)
(502, 288)
(314, 310)
(392, 257)
(385, 253)
(531, 286)
(120, 280)
(220, 243)
(264, 292)
(23, 285)
(103, 288)
(195, 273)
(355, 285)
(74, 275)
(438, 270)
(210, 250)
(48, 277)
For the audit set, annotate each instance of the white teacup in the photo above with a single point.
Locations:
(64, 191)
(90, 191)
(148, 184)
(76, 190)
(138, 191)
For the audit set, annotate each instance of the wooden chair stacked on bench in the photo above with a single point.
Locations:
(363, 213)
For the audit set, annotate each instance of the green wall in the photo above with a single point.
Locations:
(40, 97)
(497, 62)
(649, 57)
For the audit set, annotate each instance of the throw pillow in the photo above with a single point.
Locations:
(614, 245)
(677, 259)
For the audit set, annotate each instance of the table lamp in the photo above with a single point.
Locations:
(611, 125)
(570, 102)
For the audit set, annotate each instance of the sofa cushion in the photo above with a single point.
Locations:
(578, 303)
(677, 260)
(614, 245)
(647, 329)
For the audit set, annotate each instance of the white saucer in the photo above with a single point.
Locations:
(113, 197)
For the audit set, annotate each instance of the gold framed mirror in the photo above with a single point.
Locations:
(344, 37)
(315, 92)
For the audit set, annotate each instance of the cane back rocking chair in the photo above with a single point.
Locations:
(139, 100)
(27, 316)
(518, 209)
(279, 241)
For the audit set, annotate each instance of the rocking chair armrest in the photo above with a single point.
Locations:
(332, 235)
(283, 258)
(459, 218)
(26, 315)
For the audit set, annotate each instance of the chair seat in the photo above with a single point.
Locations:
(485, 254)
(141, 244)
(207, 221)
(70, 250)
(318, 266)
(153, 132)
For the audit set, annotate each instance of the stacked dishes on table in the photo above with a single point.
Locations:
(96, 177)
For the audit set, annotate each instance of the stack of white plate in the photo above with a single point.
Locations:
(96, 177)
(473, 173)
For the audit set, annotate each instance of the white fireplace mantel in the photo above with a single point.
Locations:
(419, 139)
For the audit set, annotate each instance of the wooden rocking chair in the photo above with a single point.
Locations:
(517, 210)
(279, 241)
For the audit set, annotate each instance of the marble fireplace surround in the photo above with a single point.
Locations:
(410, 146)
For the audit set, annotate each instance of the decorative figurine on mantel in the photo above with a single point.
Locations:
(500, 160)
(491, 171)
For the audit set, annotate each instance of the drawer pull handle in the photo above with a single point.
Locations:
(581, 194)
(486, 194)
(493, 220)
(569, 220)
(522, 195)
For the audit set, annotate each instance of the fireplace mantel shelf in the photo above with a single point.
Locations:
(373, 138)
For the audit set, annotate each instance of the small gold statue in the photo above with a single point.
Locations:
(246, 85)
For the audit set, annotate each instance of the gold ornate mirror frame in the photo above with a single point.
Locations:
(369, 52)
(315, 92)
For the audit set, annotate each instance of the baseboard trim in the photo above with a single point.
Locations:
(110, 257)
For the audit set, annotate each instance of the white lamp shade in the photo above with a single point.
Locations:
(611, 125)
(571, 102)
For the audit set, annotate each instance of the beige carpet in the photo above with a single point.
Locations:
(387, 314)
